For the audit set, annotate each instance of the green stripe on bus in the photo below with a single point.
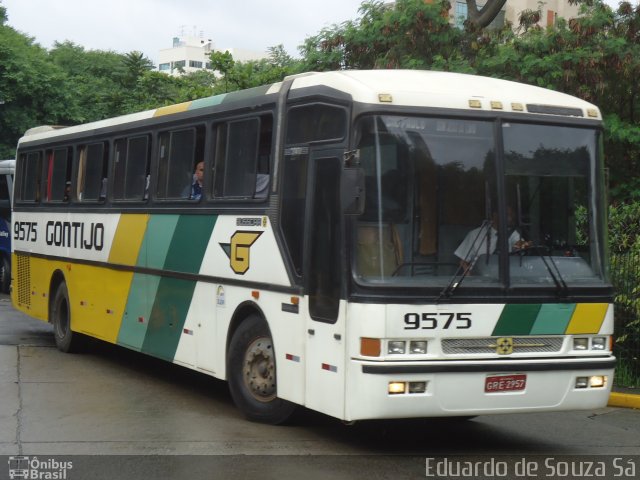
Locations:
(135, 320)
(207, 102)
(157, 239)
(517, 319)
(190, 239)
(185, 252)
(553, 319)
(167, 317)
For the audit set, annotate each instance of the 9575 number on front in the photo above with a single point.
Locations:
(433, 321)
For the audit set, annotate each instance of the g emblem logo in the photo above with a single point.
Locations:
(238, 250)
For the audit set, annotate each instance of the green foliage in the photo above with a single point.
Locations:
(32, 90)
(410, 34)
(239, 75)
(624, 243)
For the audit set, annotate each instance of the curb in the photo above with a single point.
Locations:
(624, 400)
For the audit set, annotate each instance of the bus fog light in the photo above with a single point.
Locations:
(396, 388)
(396, 347)
(580, 343)
(582, 382)
(418, 347)
(597, 381)
(599, 343)
(417, 387)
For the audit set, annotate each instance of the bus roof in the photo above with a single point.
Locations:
(419, 88)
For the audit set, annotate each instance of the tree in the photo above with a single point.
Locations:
(408, 34)
(222, 62)
(135, 65)
(33, 91)
(482, 17)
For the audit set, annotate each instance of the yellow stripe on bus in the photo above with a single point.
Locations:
(128, 238)
(180, 107)
(587, 318)
(98, 298)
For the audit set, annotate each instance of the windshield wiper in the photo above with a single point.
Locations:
(461, 272)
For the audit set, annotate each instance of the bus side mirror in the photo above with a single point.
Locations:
(352, 192)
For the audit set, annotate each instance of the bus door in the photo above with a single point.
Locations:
(325, 316)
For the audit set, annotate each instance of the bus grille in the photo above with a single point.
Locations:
(471, 346)
(24, 279)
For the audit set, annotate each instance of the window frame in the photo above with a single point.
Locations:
(80, 175)
(156, 167)
(114, 172)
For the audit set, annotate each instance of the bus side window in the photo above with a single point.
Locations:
(31, 176)
(179, 151)
(242, 154)
(92, 172)
(58, 188)
(131, 159)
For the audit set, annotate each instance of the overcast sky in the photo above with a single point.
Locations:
(150, 25)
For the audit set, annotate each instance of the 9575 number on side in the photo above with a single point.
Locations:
(434, 321)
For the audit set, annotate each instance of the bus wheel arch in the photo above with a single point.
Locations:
(66, 339)
(251, 368)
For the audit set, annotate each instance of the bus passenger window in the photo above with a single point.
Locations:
(235, 158)
(58, 175)
(180, 166)
(131, 158)
(92, 172)
(31, 170)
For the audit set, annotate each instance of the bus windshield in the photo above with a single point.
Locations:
(433, 210)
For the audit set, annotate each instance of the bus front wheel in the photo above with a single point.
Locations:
(251, 373)
(60, 316)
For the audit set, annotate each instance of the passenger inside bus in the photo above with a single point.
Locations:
(194, 191)
(483, 240)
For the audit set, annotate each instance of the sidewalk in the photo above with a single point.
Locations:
(625, 397)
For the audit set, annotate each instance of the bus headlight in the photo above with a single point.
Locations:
(396, 388)
(418, 347)
(580, 343)
(599, 343)
(594, 381)
(396, 347)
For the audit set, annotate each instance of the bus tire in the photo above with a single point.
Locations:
(5, 275)
(251, 373)
(67, 340)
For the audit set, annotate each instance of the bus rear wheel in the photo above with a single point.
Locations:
(60, 316)
(251, 372)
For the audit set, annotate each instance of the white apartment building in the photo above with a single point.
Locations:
(190, 54)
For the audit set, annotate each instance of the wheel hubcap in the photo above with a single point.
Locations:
(259, 371)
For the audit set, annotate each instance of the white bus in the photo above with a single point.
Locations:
(367, 244)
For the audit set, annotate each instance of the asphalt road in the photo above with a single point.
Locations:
(119, 414)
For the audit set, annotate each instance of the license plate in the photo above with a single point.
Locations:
(505, 383)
